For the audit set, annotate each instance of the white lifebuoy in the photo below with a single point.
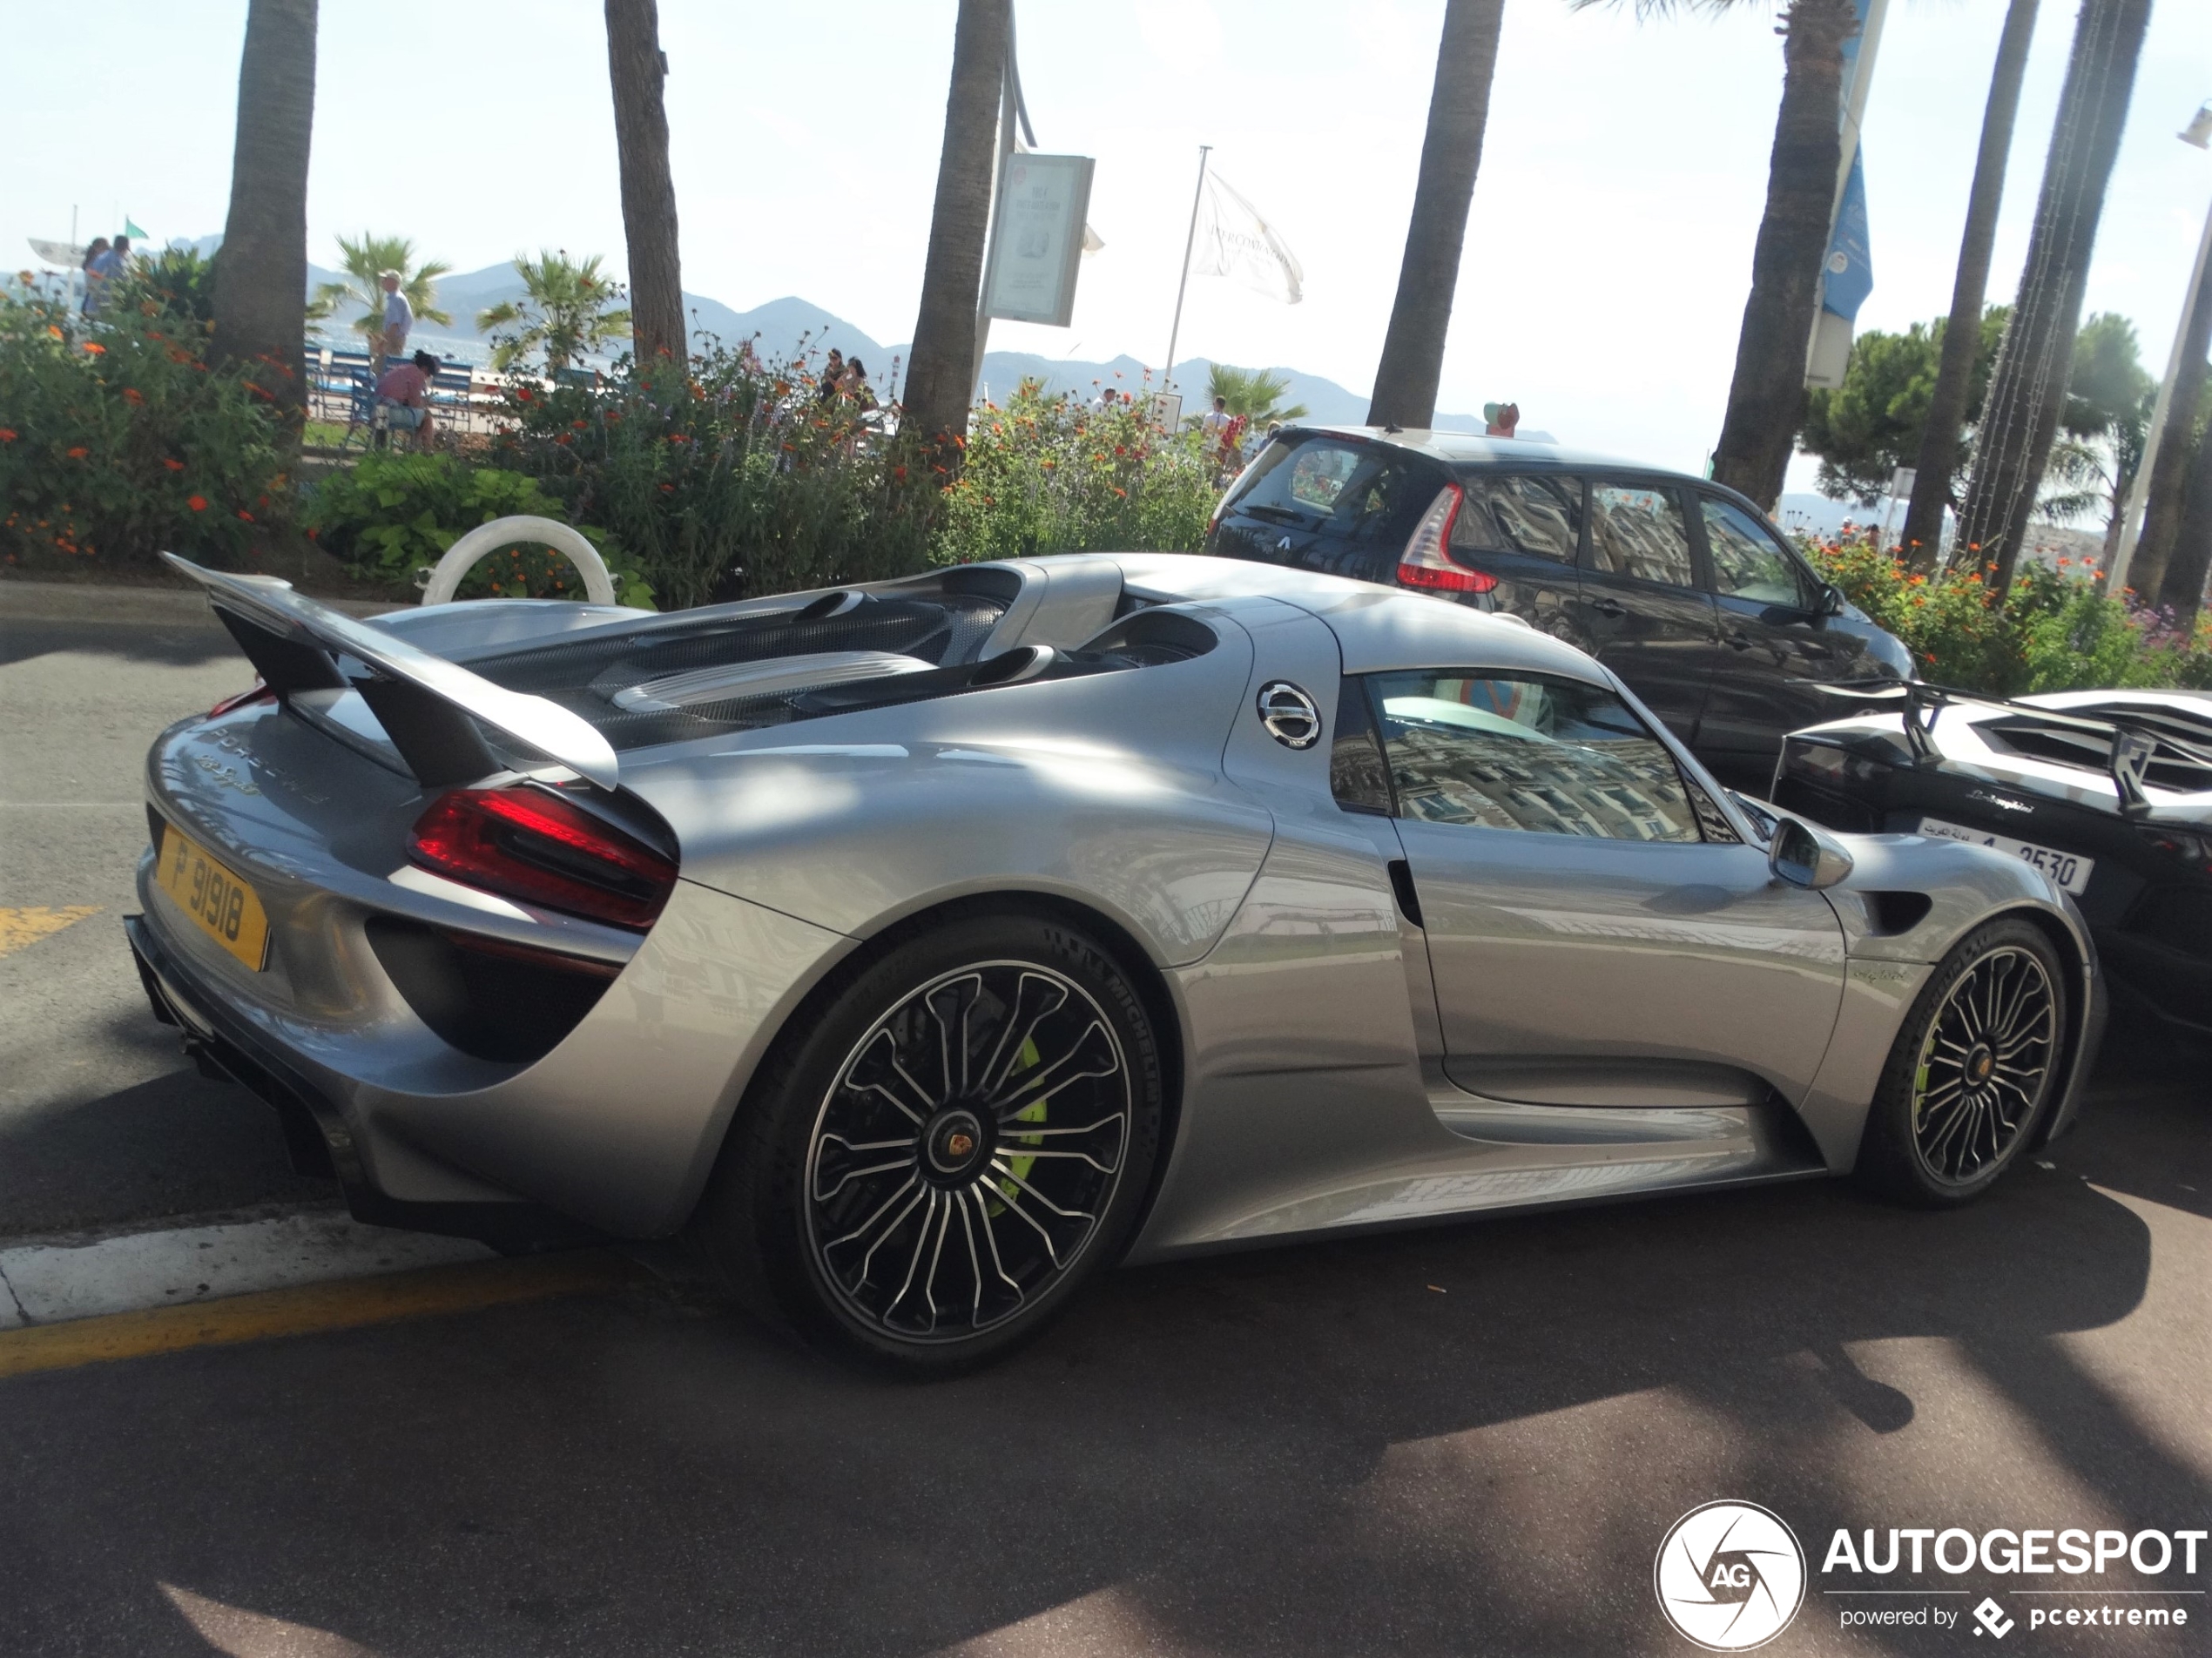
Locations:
(486, 539)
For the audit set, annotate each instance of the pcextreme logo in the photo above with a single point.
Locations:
(1730, 1576)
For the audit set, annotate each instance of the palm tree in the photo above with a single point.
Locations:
(364, 259)
(637, 66)
(564, 312)
(2182, 588)
(2021, 418)
(260, 290)
(2163, 509)
(940, 367)
(1766, 397)
(1256, 394)
(1459, 107)
(1922, 535)
(2109, 399)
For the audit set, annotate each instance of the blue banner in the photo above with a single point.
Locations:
(1849, 274)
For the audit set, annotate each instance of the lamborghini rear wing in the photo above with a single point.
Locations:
(2134, 742)
(436, 712)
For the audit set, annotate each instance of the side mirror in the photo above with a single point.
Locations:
(1831, 599)
(1804, 857)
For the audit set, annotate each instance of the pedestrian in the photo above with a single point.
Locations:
(833, 375)
(92, 278)
(1106, 399)
(1216, 420)
(403, 395)
(390, 340)
(104, 269)
(1501, 418)
(855, 386)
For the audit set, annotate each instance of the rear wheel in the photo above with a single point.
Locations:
(964, 1134)
(1974, 1069)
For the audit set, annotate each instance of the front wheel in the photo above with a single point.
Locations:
(961, 1137)
(1974, 1069)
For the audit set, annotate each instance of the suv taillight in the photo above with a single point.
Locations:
(1428, 563)
(527, 843)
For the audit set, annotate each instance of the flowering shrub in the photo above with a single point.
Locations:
(2055, 631)
(393, 514)
(117, 441)
(723, 477)
(1050, 474)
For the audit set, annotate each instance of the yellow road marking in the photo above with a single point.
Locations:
(306, 1308)
(19, 927)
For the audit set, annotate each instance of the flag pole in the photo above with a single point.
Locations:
(1189, 241)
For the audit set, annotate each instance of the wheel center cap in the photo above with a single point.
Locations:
(1979, 1064)
(955, 1143)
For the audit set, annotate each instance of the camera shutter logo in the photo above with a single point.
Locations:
(1730, 1576)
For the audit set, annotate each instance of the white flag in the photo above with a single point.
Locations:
(1236, 242)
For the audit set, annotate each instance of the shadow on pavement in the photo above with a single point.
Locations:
(1307, 1451)
(168, 644)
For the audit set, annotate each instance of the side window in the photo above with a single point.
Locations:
(1357, 776)
(1638, 531)
(1553, 756)
(1747, 563)
(1502, 513)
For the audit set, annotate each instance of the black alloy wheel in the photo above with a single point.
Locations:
(962, 1137)
(1974, 1069)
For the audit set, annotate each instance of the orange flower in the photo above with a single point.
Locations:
(245, 514)
(131, 396)
(521, 394)
(174, 466)
(95, 348)
(78, 453)
(52, 330)
(197, 504)
(7, 433)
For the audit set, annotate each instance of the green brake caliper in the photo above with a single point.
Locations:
(1027, 1060)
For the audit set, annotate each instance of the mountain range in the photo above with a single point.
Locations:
(790, 323)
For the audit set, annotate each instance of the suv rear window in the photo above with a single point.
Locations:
(1510, 513)
(1349, 488)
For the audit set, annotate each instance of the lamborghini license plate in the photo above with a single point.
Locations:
(2068, 871)
(225, 906)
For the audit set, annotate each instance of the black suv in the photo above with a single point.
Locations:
(1680, 586)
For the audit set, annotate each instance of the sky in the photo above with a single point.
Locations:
(1607, 253)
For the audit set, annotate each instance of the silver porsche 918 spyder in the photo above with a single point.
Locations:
(926, 947)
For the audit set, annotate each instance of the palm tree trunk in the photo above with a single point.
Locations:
(2028, 390)
(1459, 107)
(637, 66)
(941, 362)
(260, 291)
(2162, 510)
(2182, 588)
(1939, 439)
(1766, 399)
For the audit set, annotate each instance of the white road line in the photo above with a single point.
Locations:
(52, 1283)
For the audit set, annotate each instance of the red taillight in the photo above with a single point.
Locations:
(256, 693)
(1428, 563)
(528, 843)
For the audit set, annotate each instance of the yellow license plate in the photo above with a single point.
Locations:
(225, 906)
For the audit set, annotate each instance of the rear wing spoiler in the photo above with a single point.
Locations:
(2134, 742)
(434, 711)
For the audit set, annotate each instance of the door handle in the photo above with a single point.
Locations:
(1738, 641)
(1605, 607)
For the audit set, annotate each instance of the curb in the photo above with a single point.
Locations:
(29, 601)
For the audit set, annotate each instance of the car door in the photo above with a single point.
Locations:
(1641, 609)
(1524, 530)
(1598, 934)
(1775, 648)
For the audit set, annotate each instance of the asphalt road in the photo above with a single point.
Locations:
(1467, 1439)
